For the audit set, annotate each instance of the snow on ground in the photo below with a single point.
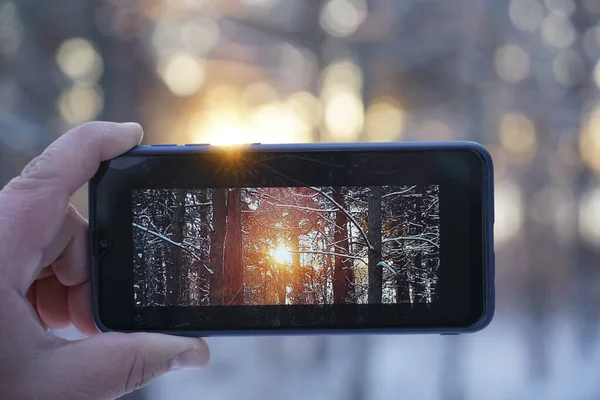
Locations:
(493, 365)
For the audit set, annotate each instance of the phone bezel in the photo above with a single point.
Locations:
(486, 269)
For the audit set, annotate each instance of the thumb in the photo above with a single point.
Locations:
(112, 364)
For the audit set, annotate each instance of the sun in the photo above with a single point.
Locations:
(282, 254)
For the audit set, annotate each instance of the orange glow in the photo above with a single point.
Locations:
(281, 254)
(518, 137)
(231, 116)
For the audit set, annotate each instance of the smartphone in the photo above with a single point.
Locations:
(296, 238)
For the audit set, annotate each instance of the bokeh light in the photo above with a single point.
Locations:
(343, 17)
(11, 30)
(222, 96)
(557, 31)
(257, 113)
(589, 144)
(79, 104)
(434, 130)
(509, 211)
(341, 75)
(343, 106)
(78, 59)
(222, 126)
(512, 63)
(307, 106)
(344, 116)
(564, 8)
(596, 73)
(589, 216)
(166, 36)
(275, 123)
(259, 93)
(183, 73)
(553, 208)
(526, 14)
(591, 41)
(384, 121)
(200, 36)
(568, 68)
(518, 137)
(297, 66)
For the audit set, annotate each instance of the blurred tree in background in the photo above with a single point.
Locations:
(520, 76)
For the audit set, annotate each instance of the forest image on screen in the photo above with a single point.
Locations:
(285, 245)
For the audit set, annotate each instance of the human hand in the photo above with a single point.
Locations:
(44, 284)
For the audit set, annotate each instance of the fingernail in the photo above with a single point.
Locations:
(189, 359)
(137, 128)
(132, 125)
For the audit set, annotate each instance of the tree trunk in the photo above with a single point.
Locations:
(312, 282)
(402, 283)
(419, 229)
(281, 287)
(234, 270)
(297, 273)
(174, 278)
(217, 243)
(374, 221)
(327, 271)
(343, 275)
(202, 276)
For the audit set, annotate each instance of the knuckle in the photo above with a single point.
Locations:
(38, 170)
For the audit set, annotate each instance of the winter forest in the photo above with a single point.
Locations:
(285, 245)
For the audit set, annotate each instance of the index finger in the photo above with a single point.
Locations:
(73, 159)
(34, 205)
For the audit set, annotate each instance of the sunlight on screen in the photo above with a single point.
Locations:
(282, 254)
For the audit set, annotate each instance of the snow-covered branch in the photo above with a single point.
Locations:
(399, 193)
(329, 253)
(408, 238)
(350, 217)
(209, 203)
(279, 203)
(182, 246)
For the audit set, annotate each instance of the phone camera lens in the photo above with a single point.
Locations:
(103, 243)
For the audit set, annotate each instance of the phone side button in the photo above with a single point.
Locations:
(449, 334)
(196, 144)
(163, 145)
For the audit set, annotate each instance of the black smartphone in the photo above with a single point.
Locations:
(287, 239)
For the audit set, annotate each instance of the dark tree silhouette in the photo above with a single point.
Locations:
(343, 278)
(234, 271)
(174, 275)
(217, 244)
(374, 222)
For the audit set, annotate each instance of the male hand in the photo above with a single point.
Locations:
(44, 284)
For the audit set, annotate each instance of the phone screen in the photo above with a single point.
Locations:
(286, 245)
(344, 240)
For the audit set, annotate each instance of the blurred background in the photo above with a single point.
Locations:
(521, 76)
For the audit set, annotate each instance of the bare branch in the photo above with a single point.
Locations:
(398, 193)
(285, 205)
(329, 253)
(350, 217)
(182, 246)
(418, 238)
